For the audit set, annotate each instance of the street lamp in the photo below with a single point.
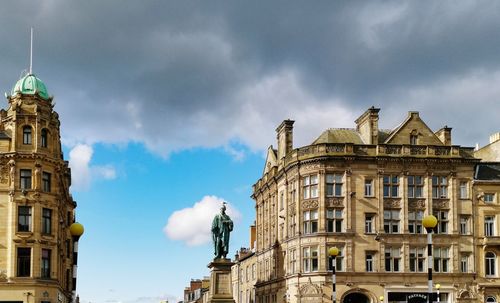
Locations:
(76, 230)
(438, 286)
(333, 252)
(381, 298)
(429, 222)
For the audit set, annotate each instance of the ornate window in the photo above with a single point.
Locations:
(391, 186)
(463, 190)
(489, 198)
(46, 182)
(442, 226)
(25, 178)
(415, 221)
(417, 259)
(441, 259)
(310, 221)
(369, 262)
(310, 259)
(45, 264)
(439, 187)
(415, 186)
(27, 135)
(310, 186)
(44, 138)
(46, 221)
(369, 228)
(391, 221)
(24, 218)
(464, 225)
(333, 185)
(292, 261)
(489, 226)
(464, 263)
(334, 220)
(392, 259)
(23, 261)
(368, 188)
(490, 263)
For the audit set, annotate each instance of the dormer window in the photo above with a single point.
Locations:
(44, 137)
(414, 137)
(27, 134)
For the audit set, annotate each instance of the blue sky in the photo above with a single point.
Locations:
(167, 107)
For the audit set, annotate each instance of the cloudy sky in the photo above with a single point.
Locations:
(167, 107)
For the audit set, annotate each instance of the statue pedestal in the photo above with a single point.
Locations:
(220, 281)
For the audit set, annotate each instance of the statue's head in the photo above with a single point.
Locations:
(223, 208)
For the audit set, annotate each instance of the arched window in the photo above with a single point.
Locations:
(490, 265)
(44, 138)
(27, 134)
(491, 300)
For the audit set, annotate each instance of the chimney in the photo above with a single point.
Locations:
(494, 137)
(444, 135)
(285, 138)
(367, 125)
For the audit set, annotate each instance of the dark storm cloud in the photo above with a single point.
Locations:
(180, 74)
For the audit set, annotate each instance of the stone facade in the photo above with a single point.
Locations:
(244, 276)
(36, 206)
(365, 191)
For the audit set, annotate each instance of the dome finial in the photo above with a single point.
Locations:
(31, 52)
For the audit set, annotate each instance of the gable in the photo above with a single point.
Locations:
(271, 160)
(413, 125)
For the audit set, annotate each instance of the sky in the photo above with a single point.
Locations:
(167, 107)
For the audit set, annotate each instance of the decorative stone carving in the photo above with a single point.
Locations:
(334, 202)
(310, 204)
(4, 173)
(416, 204)
(392, 203)
(3, 275)
(440, 204)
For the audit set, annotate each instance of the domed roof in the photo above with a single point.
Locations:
(30, 85)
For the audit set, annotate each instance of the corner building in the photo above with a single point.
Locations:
(365, 191)
(36, 208)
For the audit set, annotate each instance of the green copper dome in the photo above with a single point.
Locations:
(30, 85)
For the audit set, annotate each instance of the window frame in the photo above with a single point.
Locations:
(415, 188)
(25, 217)
(391, 259)
(310, 224)
(45, 264)
(46, 221)
(369, 188)
(418, 259)
(334, 224)
(310, 259)
(392, 222)
(334, 184)
(46, 182)
(391, 186)
(25, 179)
(490, 269)
(44, 137)
(23, 262)
(463, 190)
(369, 262)
(441, 261)
(440, 187)
(27, 135)
(442, 226)
(489, 226)
(369, 223)
(415, 223)
(310, 190)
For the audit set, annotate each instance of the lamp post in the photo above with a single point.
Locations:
(333, 252)
(381, 298)
(76, 230)
(438, 286)
(429, 222)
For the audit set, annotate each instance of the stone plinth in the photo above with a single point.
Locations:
(220, 281)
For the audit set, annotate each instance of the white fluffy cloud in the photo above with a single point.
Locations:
(82, 172)
(192, 225)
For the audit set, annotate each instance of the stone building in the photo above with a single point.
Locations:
(36, 208)
(365, 190)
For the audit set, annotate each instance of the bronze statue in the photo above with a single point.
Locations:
(222, 226)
